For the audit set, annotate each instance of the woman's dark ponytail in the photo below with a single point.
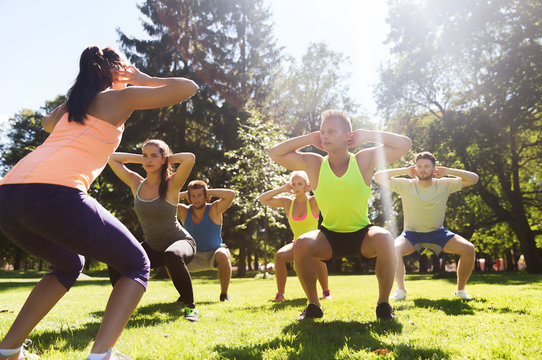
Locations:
(96, 68)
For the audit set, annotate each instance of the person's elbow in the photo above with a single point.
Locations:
(191, 87)
(274, 154)
(474, 179)
(377, 177)
(189, 160)
(406, 144)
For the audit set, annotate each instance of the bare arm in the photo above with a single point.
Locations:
(392, 148)
(383, 177)
(271, 198)
(287, 154)
(151, 92)
(49, 121)
(225, 198)
(468, 178)
(183, 196)
(186, 163)
(129, 177)
(182, 211)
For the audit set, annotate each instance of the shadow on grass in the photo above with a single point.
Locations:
(153, 314)
(78, 337)
(450, 307)
(6, 286)
(279, 305)
(311, 339)
(499, 278)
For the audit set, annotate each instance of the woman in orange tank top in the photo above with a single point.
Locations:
(44, 207)
(302, 213)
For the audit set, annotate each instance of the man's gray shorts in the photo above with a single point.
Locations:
(206, 260)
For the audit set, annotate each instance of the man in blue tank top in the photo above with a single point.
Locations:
(203, 220)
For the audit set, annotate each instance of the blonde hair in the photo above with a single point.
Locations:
(339, 115)
(301, 174)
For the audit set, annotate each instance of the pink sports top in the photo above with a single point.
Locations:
(303, 224)
(73, 155)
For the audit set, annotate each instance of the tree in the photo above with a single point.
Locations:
(228, 48)
(304, 90)
(466, 83)
(252, 173)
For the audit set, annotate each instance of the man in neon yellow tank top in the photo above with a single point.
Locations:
(342, 185)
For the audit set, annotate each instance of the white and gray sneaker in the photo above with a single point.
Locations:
(463, 295)
(398, 294)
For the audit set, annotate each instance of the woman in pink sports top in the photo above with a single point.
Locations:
(45, 208)
(302, 213)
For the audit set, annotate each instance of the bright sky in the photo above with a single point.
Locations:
(42, 40)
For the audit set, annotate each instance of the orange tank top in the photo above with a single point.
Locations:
(73, 155)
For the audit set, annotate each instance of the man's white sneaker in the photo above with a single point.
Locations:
(398, 294)
(463, 295)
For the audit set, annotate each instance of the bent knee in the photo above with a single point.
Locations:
(302, 244)
(222, 256)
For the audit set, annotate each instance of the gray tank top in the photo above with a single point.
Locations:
(158, 219)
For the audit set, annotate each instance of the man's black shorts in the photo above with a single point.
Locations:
(345, 244)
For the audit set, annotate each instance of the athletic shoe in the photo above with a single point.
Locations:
(117, 355)
(312, 311)
(384, 311)
(23, 354)
(278, 297)
(463, 295)
(191, 314)
(225, 297)
(398, 294)
(326, 295)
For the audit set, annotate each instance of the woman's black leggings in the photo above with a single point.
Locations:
(175, 258)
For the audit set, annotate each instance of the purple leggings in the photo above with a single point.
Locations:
(60, 224)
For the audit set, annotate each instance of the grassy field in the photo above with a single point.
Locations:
(503, 322)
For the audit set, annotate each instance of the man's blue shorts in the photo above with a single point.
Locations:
(433, 240)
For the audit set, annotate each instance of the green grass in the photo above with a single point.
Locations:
(503, 322)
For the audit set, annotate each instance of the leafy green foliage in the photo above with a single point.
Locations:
(465, 84)
(251, 173)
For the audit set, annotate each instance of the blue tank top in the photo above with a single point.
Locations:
(207, 234)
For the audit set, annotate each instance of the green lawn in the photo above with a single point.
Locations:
(503, 322)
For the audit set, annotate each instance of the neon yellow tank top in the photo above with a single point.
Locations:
(343, 201)
(302, 225)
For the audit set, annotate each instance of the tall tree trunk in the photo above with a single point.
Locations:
(256, 260)
(424, 262)
(242, 265)
(436, 264)
(18, 259)
(249, 259)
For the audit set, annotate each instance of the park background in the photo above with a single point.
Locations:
(463, 79)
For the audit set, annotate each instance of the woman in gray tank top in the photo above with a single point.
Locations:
(155, 203)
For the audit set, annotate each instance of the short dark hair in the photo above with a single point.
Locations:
(197, 184)
(427, 155)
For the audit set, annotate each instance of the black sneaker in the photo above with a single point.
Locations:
(384, 311)
(312, 311)
(224, 297)
(191, 314)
